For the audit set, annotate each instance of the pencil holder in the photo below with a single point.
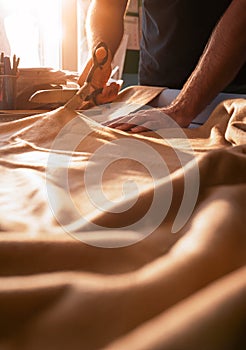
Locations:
(8, 91)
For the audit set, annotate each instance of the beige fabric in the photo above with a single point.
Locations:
(163, 290)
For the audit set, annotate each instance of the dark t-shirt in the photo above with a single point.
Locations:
(174, 35)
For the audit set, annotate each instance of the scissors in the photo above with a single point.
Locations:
(84, 93)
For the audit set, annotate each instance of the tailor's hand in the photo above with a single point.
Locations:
(150, 120)
(143, 120)
(100, 78)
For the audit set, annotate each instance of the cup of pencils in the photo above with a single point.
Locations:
(8, 81)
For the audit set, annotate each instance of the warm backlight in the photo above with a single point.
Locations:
(33, 29)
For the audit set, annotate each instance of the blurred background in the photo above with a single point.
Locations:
(51, 33)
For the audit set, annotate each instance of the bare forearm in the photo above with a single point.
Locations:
(105, 23)
(222, 58)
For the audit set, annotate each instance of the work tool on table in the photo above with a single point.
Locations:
(53, 96)
(8, 76)
(63, 95)
(88, 91)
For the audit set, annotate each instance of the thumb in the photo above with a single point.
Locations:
(101, 54)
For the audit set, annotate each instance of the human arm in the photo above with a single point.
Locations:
(221, 60)
(105, 23)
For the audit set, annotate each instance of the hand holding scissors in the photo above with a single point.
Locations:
(94, 88)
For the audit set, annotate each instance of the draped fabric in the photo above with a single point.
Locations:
(112, 240)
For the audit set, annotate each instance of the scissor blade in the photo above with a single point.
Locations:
(76, 101)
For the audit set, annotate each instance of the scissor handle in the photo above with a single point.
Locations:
(97, 64)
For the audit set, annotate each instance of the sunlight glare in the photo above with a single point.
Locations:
(33, 28)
